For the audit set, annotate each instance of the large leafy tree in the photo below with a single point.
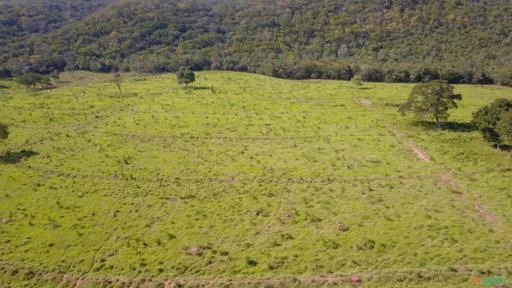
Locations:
(185, 76)
(432, 99)
(494, 120)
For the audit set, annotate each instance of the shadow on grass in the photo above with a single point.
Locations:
(198, 87)
(504, 147)
(12, 157)
(449, 126)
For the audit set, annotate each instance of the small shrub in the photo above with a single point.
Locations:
(251, 262)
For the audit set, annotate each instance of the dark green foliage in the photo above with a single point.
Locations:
(426, 75)
(456, 77)
(4, 131)
(31, 80)
(185, 76)
(483, 78)
(492, 116)
(280, 38)
(398, 76)
(372, 74)
(5, 73)
(432, 98)
(504, 127)
(251, 262)
(312, 70)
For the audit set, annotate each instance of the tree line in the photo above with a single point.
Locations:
(392, 41)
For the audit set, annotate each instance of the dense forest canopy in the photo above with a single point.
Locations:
(383, 40)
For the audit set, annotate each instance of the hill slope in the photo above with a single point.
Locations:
(243, 180)
(294, 39)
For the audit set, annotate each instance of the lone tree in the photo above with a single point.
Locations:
(357, 80)
(495, 121)
(185, 76)
(118, 80)
(432, 98)
(31, 80)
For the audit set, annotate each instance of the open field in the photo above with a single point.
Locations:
(247, 181)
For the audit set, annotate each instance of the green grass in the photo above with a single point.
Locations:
(246, 181)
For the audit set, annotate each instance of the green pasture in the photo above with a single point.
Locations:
(243, 180)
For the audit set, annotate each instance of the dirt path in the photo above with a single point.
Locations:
(446, 178)
(450, 181)
(418, 151)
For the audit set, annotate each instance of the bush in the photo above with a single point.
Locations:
(185, 76)
(398, 76)
(425, 75)
(483, 79)
(372, 74)
(455, 77)
(32, 80)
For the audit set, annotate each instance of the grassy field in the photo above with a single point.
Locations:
(247, 181)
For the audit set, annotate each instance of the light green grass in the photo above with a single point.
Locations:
(188, 184)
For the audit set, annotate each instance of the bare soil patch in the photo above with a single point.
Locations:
(418, 151)
(365, 102)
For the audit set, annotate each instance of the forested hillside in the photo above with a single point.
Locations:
(392, 40)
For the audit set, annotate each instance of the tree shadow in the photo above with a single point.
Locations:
(199, 88)
(12, 157)
(504, 147)
(449, 126)
(395, 105)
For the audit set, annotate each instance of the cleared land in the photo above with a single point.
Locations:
(247, 181)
